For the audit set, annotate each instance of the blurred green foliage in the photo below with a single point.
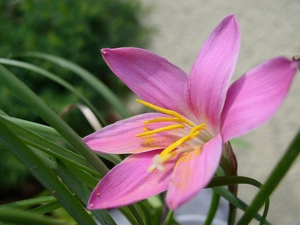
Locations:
(72, 29)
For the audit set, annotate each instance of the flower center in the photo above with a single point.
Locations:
(180, 146)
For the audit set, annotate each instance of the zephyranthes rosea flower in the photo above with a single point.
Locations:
(178, 148)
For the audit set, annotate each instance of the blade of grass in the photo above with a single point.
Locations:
(48, 132)
(236, 201)
(56, 79)
(43, 209)
(52, 148)
(43, 174)
(83, 193)
(26, 218)
(230, 180)
(215, 199)
(31, 99)
(30, 202)
(40, 129)
(85, 75)
(273, 180)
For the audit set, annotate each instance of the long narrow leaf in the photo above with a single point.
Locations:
(83, 193)
(51, 148)
(34, 139)
(230, 180)
(43, 209)
(24, 93)
(40, 129)
(26, 218)
(85, 75)
(55, 78)
(30, 202)
(43, 174)
(273, 180)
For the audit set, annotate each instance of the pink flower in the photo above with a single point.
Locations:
(178, 148)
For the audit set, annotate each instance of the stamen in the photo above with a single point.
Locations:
(163, 119)
(199, 127)
(162, 129)
(179, 146)
(171, 147)
(165, 111)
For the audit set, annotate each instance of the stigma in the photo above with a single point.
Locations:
(189, 139)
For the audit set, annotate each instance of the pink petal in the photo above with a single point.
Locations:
(129, 182)
(254, 98)
(211, 73)
(193, 172)
(120, 137)
(150, 76)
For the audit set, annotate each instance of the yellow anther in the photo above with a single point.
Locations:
(162, 129)
(166, 111)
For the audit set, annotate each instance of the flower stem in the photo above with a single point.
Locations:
(215, 199)
(275, 177)
(169, 218)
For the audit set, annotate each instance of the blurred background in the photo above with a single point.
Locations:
(77, 30)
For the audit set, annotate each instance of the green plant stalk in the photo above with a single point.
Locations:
(169, 218)
(52, 148)
(40, 129)
(82, 192)
(30, 202)
(26, 218)
(127, 213)
(46, 208)
(38, 132)
(237, 202)
(24, 93)
(56, 79)
(89, 180)
(273, 180)
(216, 182)
(85, 75)
(136, 214)
(44, 175)
(215, 199)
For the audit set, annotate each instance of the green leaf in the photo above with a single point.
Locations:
(24, 93)
(17, 216)
(47, 208)
(85, 75)
(273, 180)
(55, 78)
(52, 148)
(43, 174)
(40, 129)
(215, 199)
(229, 180)
(30, 202)
(83, 193)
